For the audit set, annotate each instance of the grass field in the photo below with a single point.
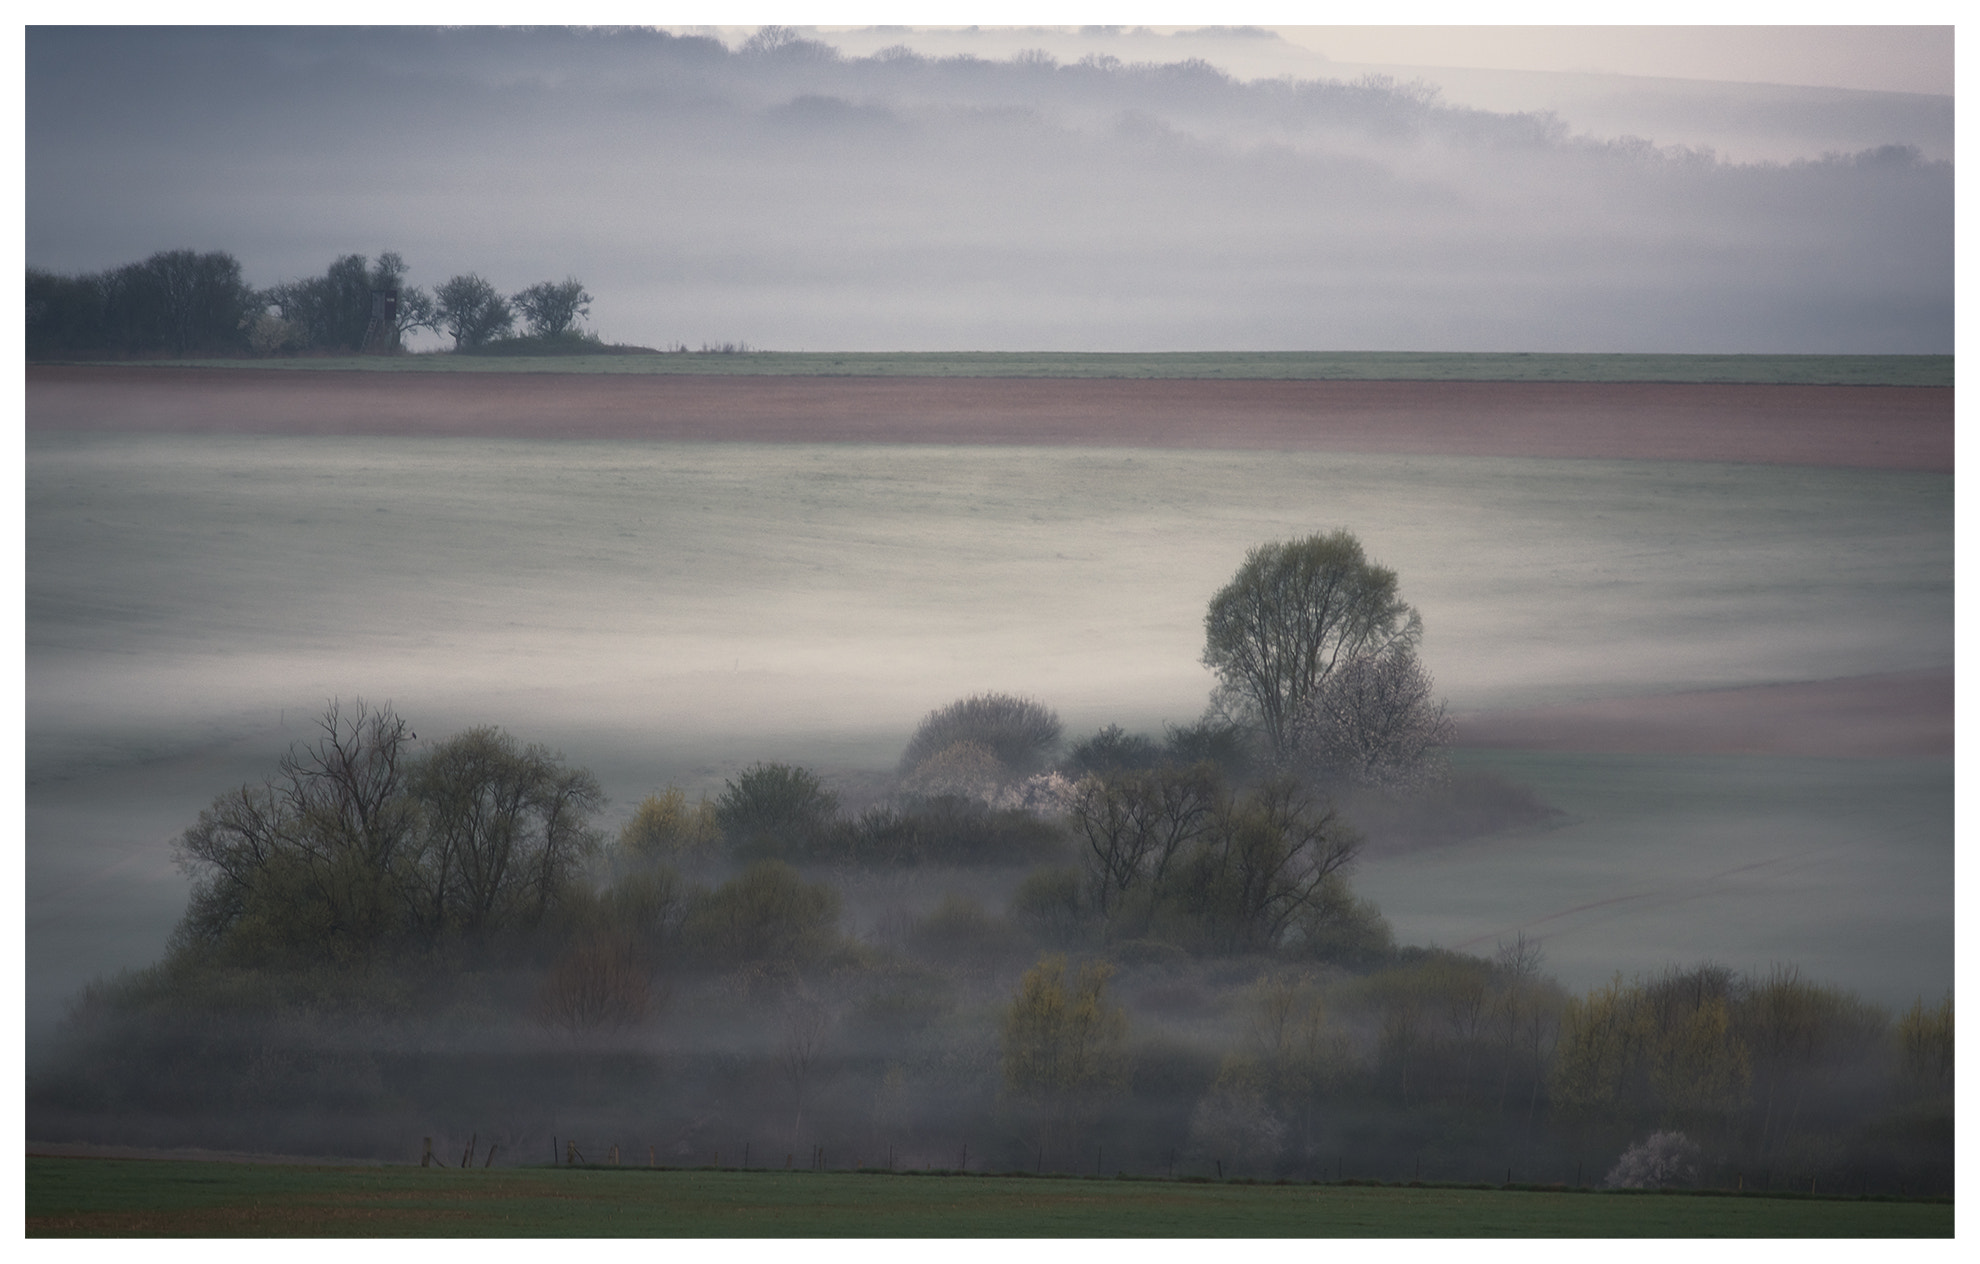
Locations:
(156, 1198)
(1815, 370)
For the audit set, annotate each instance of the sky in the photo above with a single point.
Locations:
(1130, 189)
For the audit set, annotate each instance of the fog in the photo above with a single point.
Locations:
(671, 613)
(795, 197)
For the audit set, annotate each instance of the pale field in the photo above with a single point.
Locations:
(671, 612)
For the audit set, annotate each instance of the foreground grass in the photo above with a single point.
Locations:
(155, 1198)
(1819, 370)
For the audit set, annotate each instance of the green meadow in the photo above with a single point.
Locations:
(69, 1197)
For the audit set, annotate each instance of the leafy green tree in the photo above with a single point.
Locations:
(1064, 1048)
(776, 811)
(506, 830)
(1293, 613)
(552, 308)
(472, 312)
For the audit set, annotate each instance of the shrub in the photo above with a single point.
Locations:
(1341, 927)
(767, 914)
(947, 829)
(597, 984)
(961, 769)
(1019, 732)
(1048, 904)
(664, 829)
(1113, 749)
(1233, 1126)
(1663, 1160)
(1222, 743)
(958, 929)
(776, 811)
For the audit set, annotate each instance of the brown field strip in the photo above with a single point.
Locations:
(1868, 426)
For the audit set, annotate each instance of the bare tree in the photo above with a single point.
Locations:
(597, 985)
(1135, 824)
(552, 308)
(469, 309)
(310, 858)
(807, 1025)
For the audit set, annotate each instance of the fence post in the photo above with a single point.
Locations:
(490, 1160)
(426, 1156)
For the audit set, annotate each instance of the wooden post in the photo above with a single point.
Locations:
(965, 1158)
(490, 1160)
(467, 1156)
(615, 1156)
(426, 1157)
(649, 1157)
(570, 1154)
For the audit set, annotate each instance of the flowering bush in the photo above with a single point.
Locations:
(1660, 1161)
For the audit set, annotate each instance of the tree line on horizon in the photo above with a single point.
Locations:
(187, 303)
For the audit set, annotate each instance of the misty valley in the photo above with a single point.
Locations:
(1115, 942)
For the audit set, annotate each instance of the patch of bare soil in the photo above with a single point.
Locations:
(1900, 714)
(1883, 427)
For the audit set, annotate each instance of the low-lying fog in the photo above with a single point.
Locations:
(673, 613)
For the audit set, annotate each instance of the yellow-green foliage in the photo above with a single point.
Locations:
(1602, 1041)
(666, 828)
(1925, 1047)
(1291, 1054)
(1698, 1068)
(1678, 1051)
(1064, 1045)
(767, 913)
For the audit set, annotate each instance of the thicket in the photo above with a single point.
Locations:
(1133, 953)
(391, 937)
